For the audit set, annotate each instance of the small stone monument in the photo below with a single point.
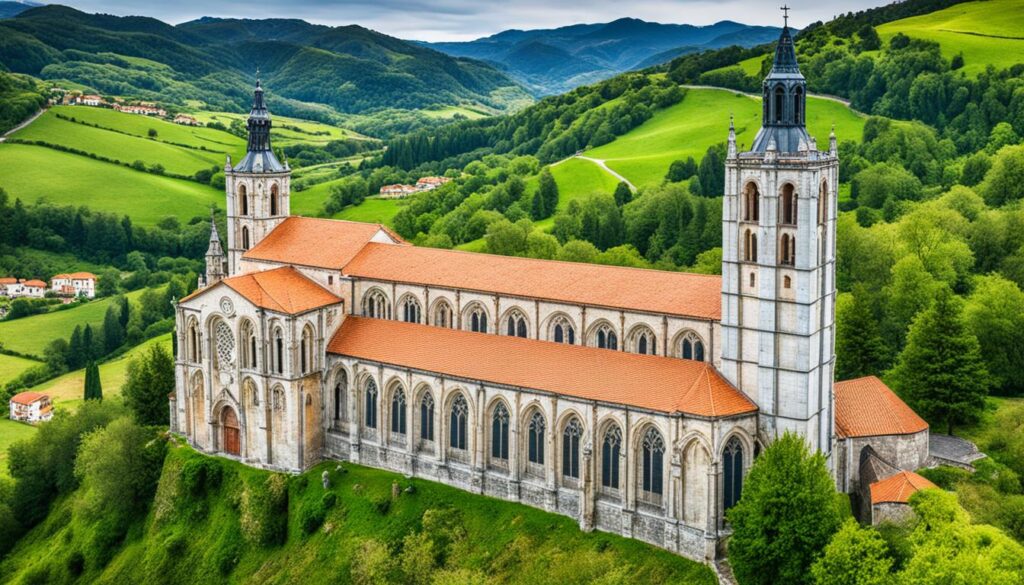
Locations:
(326, 478)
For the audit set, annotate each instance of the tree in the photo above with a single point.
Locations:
(940, 372)
(56, 356)
(869, 39)
(113, 331)
(711, 172)
(150, 379)
(680, 170)
(93, 388)
(119, 466)
(76, 350)
(995, 314)
(507, 238)
(787, 514)
(623, 194)
(1004, 182)
(860, 349)
(548, 190)
(877, 184)
(855, 556)
(537, 210)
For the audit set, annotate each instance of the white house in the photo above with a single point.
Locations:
(33, 288)
(77, 284)
(31, 407)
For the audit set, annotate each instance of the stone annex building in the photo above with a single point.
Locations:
(632, 400)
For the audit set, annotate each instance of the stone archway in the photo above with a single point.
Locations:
(231, 432)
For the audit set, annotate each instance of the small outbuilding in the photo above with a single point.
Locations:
(890, 497)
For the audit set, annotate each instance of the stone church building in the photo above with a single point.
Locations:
(632, 400)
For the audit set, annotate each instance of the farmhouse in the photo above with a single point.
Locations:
(87, 100)
(33, 288)
(142, 110)
(634, 401)
(76, 284)
(31, 407)
(186, 120)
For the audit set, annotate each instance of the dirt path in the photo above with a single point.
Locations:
(600, 162)
(824, 96)
(22, 125)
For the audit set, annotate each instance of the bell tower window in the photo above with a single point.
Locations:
(778, 104)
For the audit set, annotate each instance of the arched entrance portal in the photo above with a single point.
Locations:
(232, 433)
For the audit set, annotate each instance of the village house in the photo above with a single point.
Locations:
(31, 407)
(399, 191)
(10, 287)
(430, 183)
(142, 110)
(76, 284)
(186, 120)
(87, 100)
(33, 288)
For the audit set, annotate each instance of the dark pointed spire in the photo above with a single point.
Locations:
(260, 157)
(785, 54)
(784, 100)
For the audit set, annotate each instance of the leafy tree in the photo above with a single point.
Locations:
(1005, 180)
(623, 194)
(56, 356)
(680, 170)
(860, 349)
(854, 556)
(975, 168)
(882, 182)
(869, 39)
(941, 372)
(150, 379)
(542, 245)
(507, 238)
(548, 190)
(119, 466)
(1002, 135)
(578, 251)
(994, 313)
(787, 514)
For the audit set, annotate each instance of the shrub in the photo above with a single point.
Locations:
(76, 563)
(264, 510)
(329, 500)
(200, 476)
(381, 504)
(945, 476)
(311, 516)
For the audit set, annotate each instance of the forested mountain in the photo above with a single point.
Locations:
(9, 9)
(557, 60)
(310, 68)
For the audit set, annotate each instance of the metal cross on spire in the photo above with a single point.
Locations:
(785, 14)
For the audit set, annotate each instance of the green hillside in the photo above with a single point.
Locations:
(243, 525)
(12, 366)
(35, 172)
(194, 136)
(11, 432)
(576, 179)
(990, 32)
(688, 128)
(286, 131)
(30, 335)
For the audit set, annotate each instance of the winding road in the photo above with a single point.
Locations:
(31, 119)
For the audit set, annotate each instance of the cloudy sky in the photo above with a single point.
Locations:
(453, 20)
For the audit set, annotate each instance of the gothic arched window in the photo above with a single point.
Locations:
(499, 433)
(563, 331)
(478, 319)
(823, 203)
(243, 201)
(611, 448)
(248, 336)
(778, 103)
(605, 337)
(193, 342)
(798, 98)
(279, 350)
(788, 204)
(751, 203)
(340, 392)
(571, 448)
(732, 461)
(225, 345)
(249, 393)
(458, 423)
(652, 465)
(370, 400)
(644, 341)
(443, 314)
(306, 350)
(275, 205)
(245, 238)
(427, 417)
(411, 310)
(788, 250)
(516, 325)
(691, 347)
(376, 305)
(535, 438)
(398, 412)
(750, 246)
(277, 397)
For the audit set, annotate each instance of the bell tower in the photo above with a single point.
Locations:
(258, 187)
(778, 263)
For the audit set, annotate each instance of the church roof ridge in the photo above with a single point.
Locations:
(282, 290)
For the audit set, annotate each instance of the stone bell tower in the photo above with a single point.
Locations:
(778, 263)
(258, 187)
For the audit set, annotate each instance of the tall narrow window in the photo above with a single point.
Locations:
(279, 351)
(788, 250)
(652, 464)
(243, 201)
(193, 336)
(563, 331)
(499, 433)
(443, 314)
(245, 238)
(427, 417)
(306, 350)
(778, 104)
(788, 204)
(535, 438)
(340, 390)
(411, 310)
(798, 98)
(370, 399)
(478, 320)
(516, 326)
(376, 305)
(606, 338)
(274, 204)
(751, 203)
(823, 203)
(458, 423)
(398, 412)
(692, 347)
(571, 448)
(644, 341)
(610, 451)
(733, 477)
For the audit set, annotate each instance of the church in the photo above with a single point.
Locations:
(634, 401)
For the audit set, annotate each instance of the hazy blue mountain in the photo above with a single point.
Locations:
(556, 60)
(9, 9)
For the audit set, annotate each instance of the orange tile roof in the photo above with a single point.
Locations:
(77, 276)
(27, 398)
(284, 290)
(866, 407)
(37, 283)
(898, 488)
(657, 291)
(8, 280)
(650, 382)
(322, 243)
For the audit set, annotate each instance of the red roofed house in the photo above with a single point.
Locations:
(33, 288)
(890, 497)
(31, 407)
(631, 400)
(75, 284)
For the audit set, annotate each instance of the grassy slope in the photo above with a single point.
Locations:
(450, 112)
(12, 366)
(11, 432)
(977, 29)
(509, 543)
(30, 335)
(576, 179)
(688, 128)
(35, 172)
(309, 132)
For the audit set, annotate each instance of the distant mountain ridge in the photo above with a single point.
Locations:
(307, 68)
(556, 60)
(9, 8)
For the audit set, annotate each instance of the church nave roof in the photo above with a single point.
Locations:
(321, 243)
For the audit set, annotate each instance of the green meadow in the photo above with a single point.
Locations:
(12, 366)
(644, 154)
(576, 179)
(372, 210)
(136, 125)
(11, 432)
(286, 131)
(31, 335)
(31, 173)
(987, 33)
(450, 112)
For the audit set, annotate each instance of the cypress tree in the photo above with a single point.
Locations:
(113, 331)
(548, 190)
(88, 344)
(87, 386)
(75, 359)
(537, 210)
(940, 372)
(124, 312)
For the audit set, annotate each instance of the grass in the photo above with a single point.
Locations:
(11, 432)
(987, 33)
(12, 366)
(195, 136)
(644, 154)
(31, 335)
(372, 210)
(286, 131)
(126, 148)
(66, 391)
(448, 112)
(31, 173)
(198, 536)
(576, 179)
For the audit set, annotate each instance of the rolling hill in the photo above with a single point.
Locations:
(556, 60)
(210, 61)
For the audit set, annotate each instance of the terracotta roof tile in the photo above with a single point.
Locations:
(8, 280)
(657, 291)
(27, 398)
(284, 290)
(322, 243)
(650, 382)
(35, 283)
(898, 488)
(866, 407)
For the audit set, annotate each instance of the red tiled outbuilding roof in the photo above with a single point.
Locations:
(898, 488)
(866, 407)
